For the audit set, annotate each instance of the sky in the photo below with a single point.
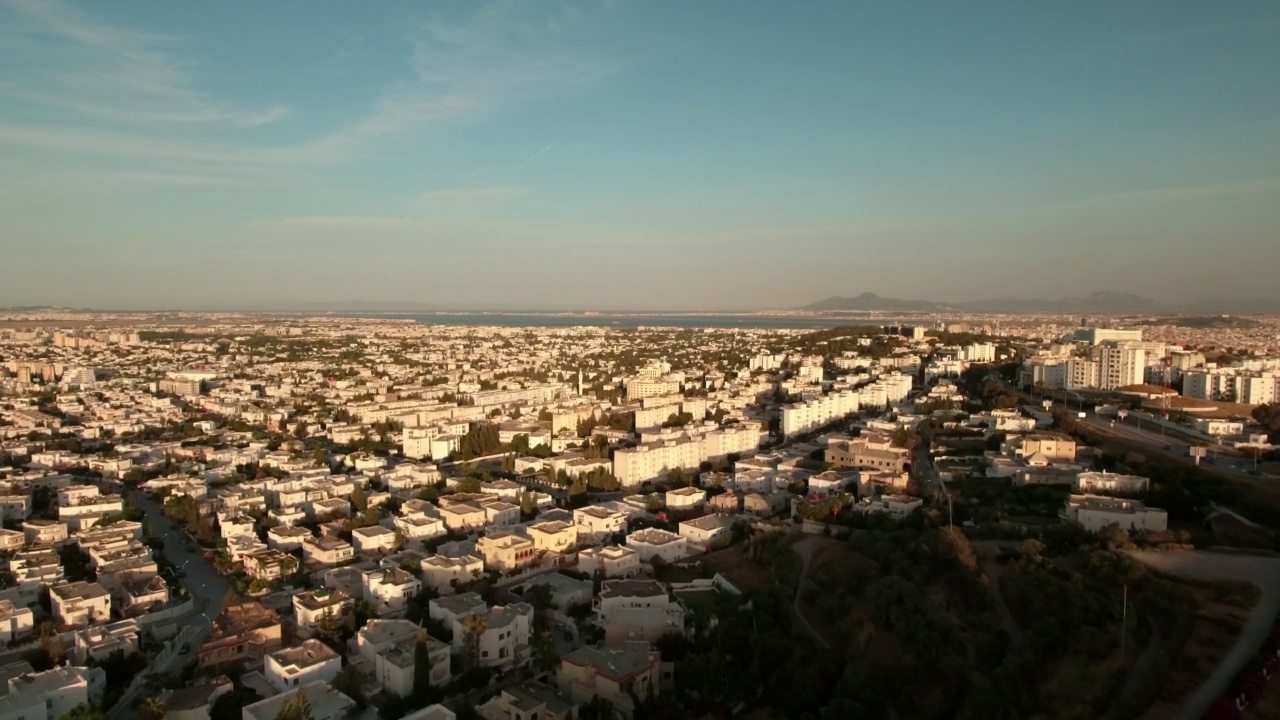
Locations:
(635, 155)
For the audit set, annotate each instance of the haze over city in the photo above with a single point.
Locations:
(627, 155)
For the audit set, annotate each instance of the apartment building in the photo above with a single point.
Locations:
(648, 462)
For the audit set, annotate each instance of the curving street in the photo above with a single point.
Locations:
(1261, 571)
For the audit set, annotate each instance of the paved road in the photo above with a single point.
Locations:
(202, 581)
(1261, 571)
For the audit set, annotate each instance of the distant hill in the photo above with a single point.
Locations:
(870, 302)
(1108, 302)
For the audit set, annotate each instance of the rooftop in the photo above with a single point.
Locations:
(309, 653)
(618, 665)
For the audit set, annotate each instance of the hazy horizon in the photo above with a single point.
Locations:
(641, 157)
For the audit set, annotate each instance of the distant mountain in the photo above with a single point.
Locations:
(870, 302)
(1106, 302)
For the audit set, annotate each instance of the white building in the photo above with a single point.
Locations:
(653, 543)
(1095, 512)
(288, 669)
(1106, 483)
(325, 702)
(611, 561)
(390, 589)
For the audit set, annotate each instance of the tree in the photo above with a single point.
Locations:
(84, 711)
(297, 707)
(359, 500)
(51, 643)
(421, 665)
(473, 627)
(152, 708)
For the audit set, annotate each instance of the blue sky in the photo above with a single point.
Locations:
(638, 155)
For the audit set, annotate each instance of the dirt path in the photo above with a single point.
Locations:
(805, 549)
(1261, 571)
(992, 569)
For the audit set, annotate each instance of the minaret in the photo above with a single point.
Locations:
(579, 382)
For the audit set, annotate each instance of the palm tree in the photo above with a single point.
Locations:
(152, 708)
(474, 626)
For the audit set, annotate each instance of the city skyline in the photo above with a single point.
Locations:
(627, 156)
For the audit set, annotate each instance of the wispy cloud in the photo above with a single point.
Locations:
(101, 71)
(1184, 192)
(121, 84)
(468, 196)
(531, 158)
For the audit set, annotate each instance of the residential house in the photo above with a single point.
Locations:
(15, 622)
(390, 589)
(500, 514)
(565, 591)
(766, 505)
(631, 610)
(1095, 512)
(327, 550)
(325, 703)
(610, 561)
(139, 597)
(504, 639)
(599, 522)
(615, 675)
(653, 543)
(44, 532)
(463, 517)
(79, 604)
(554, 536)
(310, 607)
(685, 499)
(1105, 483)
(443, 572)
(703, 531)
(374, 539)
(287, 537)
(196, 701)
(897, 506)
(507, 552)
(98, 642)
(394, 666)
(527, 701)
(269, 565)
(244, 631)
(287, 669)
